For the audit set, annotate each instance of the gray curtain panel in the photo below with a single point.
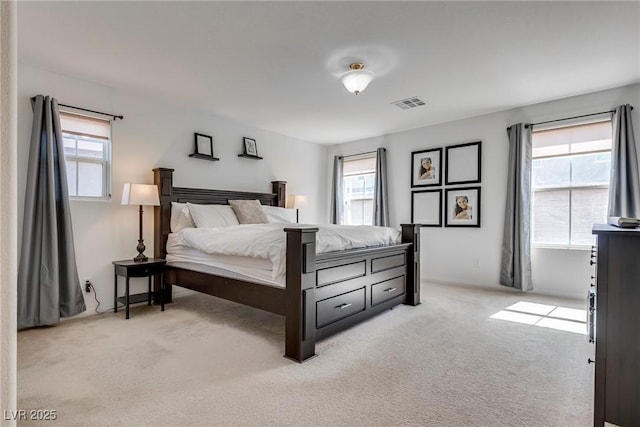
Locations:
(380, 196)
(515, 270)
(624, 186)
(48, 284)
(337, 196)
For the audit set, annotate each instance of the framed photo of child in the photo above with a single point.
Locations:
(462, 207)
(426, 167)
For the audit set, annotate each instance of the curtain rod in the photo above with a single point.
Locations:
(115, 117)
(570, 118)
(361, 154)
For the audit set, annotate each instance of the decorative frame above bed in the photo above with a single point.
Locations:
(325, 293)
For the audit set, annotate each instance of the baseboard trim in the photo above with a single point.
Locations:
(501, 288)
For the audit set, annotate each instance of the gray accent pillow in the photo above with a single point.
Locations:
(248, 211)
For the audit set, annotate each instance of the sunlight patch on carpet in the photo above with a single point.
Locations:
(546, 316)
(512, 316)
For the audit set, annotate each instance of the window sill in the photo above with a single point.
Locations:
(89, 199)
(563, 247)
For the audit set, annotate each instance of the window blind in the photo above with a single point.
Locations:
(572, 139)
(93, 127)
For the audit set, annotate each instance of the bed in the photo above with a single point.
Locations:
(322, 293)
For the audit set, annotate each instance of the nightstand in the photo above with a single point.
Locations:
(128, 268)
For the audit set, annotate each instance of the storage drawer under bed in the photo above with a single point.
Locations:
(335, 308)
(384, 291)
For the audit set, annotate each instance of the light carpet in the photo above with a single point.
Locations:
(210, 362)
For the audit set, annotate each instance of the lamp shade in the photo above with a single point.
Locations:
(357, 78)
(295, 201)
(140, 194)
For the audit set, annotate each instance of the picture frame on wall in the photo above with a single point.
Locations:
(464, 162)
(426, 208)
(204, 145)
(250, 147)
(462, 207)
(426, 168)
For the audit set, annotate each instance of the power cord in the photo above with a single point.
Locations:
(89, 286)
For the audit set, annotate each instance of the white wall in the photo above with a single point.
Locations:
(159, 132)
(472, 255)
(8, 210)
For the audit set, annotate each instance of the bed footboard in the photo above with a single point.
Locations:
(329, 292)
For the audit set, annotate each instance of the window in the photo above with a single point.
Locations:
(358, 184)
(570, 183)
(87, 154)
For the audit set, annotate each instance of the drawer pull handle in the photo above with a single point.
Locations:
(343, 306)
(390, 289)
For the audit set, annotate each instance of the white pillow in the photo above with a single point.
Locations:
(180, 217)
(276, 214)
(212, 215)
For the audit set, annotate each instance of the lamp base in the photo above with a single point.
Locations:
(141, 257)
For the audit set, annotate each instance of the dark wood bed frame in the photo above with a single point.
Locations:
(325, 293)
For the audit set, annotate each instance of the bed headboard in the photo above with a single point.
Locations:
(163, 178)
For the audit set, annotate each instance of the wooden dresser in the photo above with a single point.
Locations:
(617, 321)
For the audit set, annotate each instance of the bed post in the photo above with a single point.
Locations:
(163, 178)
(300, 304)
(279, 188)
(411, 234)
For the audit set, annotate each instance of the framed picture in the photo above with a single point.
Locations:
(250, 147)
(426, 168)
(463, 163)
(426, 208)
(204, 145)
(462, 207)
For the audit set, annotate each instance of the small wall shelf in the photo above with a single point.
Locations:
(249, 156)
(204, 157)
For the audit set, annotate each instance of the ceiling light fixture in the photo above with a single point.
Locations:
(357, 78)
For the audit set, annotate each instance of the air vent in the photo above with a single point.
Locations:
(408, 103)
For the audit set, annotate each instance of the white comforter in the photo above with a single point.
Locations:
(268, 241)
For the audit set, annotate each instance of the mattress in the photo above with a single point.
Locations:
(250, 269)
(268, 241)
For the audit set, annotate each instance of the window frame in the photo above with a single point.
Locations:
(106, 160)
(344, 175)
(537, 245)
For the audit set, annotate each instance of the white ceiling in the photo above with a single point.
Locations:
(276, 65)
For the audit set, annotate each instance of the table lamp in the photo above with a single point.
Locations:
(296, 201)
(140, 194)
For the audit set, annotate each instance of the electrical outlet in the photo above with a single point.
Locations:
(476, 263)
(87, 285)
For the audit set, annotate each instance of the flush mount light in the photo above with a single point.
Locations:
(357, 78)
